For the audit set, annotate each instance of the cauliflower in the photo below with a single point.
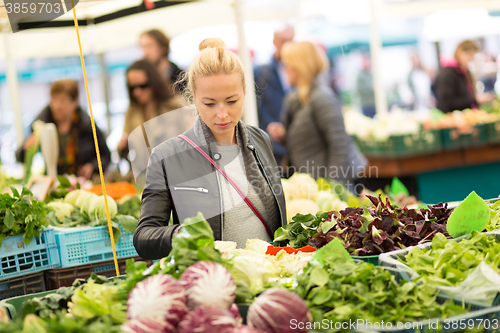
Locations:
(300, 206)
(325, 200)
(301, 186)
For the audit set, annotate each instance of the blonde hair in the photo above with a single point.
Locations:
(466, 46)
(308, 60)
(212, 59)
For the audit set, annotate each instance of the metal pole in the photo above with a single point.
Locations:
(104, 76)
(13, 87)
(250, 110)
(375, 48)
(438, 53)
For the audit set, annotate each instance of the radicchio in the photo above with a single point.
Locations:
(275, 309)
(158, 300)
(208, 319)
(208, 283)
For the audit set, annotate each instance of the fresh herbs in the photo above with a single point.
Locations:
(448, 262)
(343, 291)
(21, 215)
(297, 233)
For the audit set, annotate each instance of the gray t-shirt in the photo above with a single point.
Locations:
(240, 222)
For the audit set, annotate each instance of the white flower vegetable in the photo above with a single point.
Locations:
(208, 283)
(325, 199)
(97, 208)
(300, 206)
(160, 299)
(301, 186)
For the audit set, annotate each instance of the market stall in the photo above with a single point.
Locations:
(321, 266)
(435, 149)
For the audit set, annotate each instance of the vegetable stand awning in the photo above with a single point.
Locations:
(100, 34)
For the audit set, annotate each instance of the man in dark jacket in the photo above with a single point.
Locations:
(76, 142)
(272, 86)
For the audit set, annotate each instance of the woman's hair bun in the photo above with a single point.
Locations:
(212, 42)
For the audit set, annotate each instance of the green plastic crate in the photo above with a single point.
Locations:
(492, 132)
(453, 139)
(423, 142)
(370, 259)
(14, 305)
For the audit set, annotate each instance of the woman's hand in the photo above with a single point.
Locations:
(277, 131)
(30, 141)
(86, 170)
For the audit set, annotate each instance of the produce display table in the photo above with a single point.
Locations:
(448, 175)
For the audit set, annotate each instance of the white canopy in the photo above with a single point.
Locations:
(125, 31)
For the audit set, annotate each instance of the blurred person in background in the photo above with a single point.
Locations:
(155, 46)
(272, 86)
(420, 83)
(364, 87)
(149, 98)
(76, 141)
(312, 125)
(455, 86)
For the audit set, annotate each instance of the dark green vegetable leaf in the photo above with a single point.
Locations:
(9, 219)
(128, 223)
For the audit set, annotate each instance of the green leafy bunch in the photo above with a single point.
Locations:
(297, 233)
(22, 215)
(343, 290)
(448, 262)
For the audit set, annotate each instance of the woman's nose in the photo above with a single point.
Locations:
(221, 112)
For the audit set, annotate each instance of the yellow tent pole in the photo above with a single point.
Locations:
(96, 143)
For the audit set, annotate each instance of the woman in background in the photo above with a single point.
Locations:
(455, 86)
(149, 98)
(155, 46)
(76, 142)
(312, 124)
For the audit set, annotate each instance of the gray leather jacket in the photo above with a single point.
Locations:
(180, 180)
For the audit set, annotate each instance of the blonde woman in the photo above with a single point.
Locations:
(312, 125)
(221, 167)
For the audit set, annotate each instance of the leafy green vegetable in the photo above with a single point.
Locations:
(297, 233)
(20, 215)
(82, 219)
(448, 262)
(131, 207)
(94, 300)
(61, 322)
(193, 243)
(343, 290)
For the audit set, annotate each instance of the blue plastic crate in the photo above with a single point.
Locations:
(18, 258)
(80, 246)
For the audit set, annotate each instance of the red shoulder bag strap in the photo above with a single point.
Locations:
(252, 207)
